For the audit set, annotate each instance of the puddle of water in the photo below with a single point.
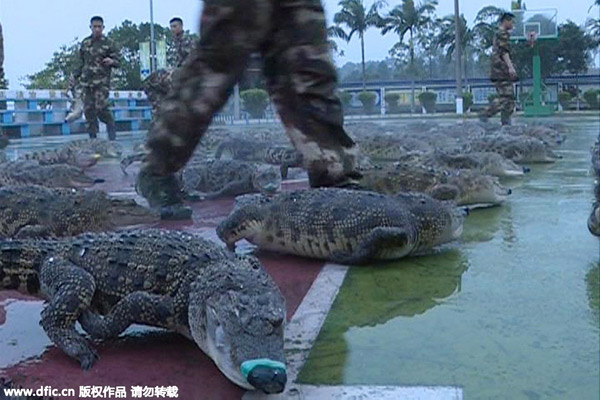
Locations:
(511, 312)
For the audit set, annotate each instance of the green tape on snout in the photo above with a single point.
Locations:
(248, 366)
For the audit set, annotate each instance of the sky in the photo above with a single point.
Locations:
(35, 29)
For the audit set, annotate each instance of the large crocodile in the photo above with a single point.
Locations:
(464, 187)
(344, 226)
(482, 162)
(219, 178)
(520, 149)
(35, 211)
(227, 304)
(81, 153)
(57, 175)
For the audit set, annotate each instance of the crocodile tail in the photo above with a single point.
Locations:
(20, 263)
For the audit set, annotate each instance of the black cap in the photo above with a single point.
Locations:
(506, 16)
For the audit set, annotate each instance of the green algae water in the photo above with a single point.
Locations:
(511, 312)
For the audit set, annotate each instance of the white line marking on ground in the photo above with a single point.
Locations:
(300, 335)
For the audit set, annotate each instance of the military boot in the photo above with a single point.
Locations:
(163, 193)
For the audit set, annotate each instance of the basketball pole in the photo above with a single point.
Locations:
(537, 109)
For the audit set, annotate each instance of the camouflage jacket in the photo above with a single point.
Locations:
(501, 47)
(182, 47)
(91, 72)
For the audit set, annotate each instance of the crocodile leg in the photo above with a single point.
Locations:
(135, 308)
(70, 290)
(397, 240)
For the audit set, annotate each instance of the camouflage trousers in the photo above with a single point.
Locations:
(505, 102)
(157, 86)
(95, 106)
(301, 79)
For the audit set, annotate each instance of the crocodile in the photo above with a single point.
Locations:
(57, 175)
(464, 187)
(520, 149)
(221, 178)
(260, 151)
(39, 212)
(75, 96)
(385, 149)
(81, 153)
(227, 304)
(550, 137)
(344, 226)
(483, 162)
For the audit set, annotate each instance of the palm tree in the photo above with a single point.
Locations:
(357, 19)
(486, 22)
(447, 39)
(408, 18)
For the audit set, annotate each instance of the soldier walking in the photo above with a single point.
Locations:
(301, 78)
(97, 57)
(503, 73)
(158, 84)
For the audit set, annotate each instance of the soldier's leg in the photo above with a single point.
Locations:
(104, 114)
(506, 95)
(302, 78)
(496, 105)
(230, 31)
(89, 109)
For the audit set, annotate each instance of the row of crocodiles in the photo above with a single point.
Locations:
(64, 243)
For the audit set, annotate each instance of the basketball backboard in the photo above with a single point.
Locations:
(543, 22)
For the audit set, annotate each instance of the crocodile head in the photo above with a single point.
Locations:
(236, 316)
(247, 217)
(126, 212)
(474, 189)
(437, 221)
(85, 159)
(62, 175)
(497, 165)
(267, 179)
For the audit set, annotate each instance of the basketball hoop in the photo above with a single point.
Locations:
(532, 37)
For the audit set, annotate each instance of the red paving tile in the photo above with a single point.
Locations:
(156, 358)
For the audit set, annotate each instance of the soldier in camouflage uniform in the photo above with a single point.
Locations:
(158, 84)
(97, 56)
(301, 78)
(503, 73)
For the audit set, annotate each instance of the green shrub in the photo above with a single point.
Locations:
(345, 98)
(391, 100)
(427, 100)
(467, 100)
(368, 101)
(592, 97)
(492, 97)
(564, 98)
(255, 102)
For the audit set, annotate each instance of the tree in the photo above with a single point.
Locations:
(408, 18)
(447, 39)
(57, 71)
(357, 19)
(335, 32)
